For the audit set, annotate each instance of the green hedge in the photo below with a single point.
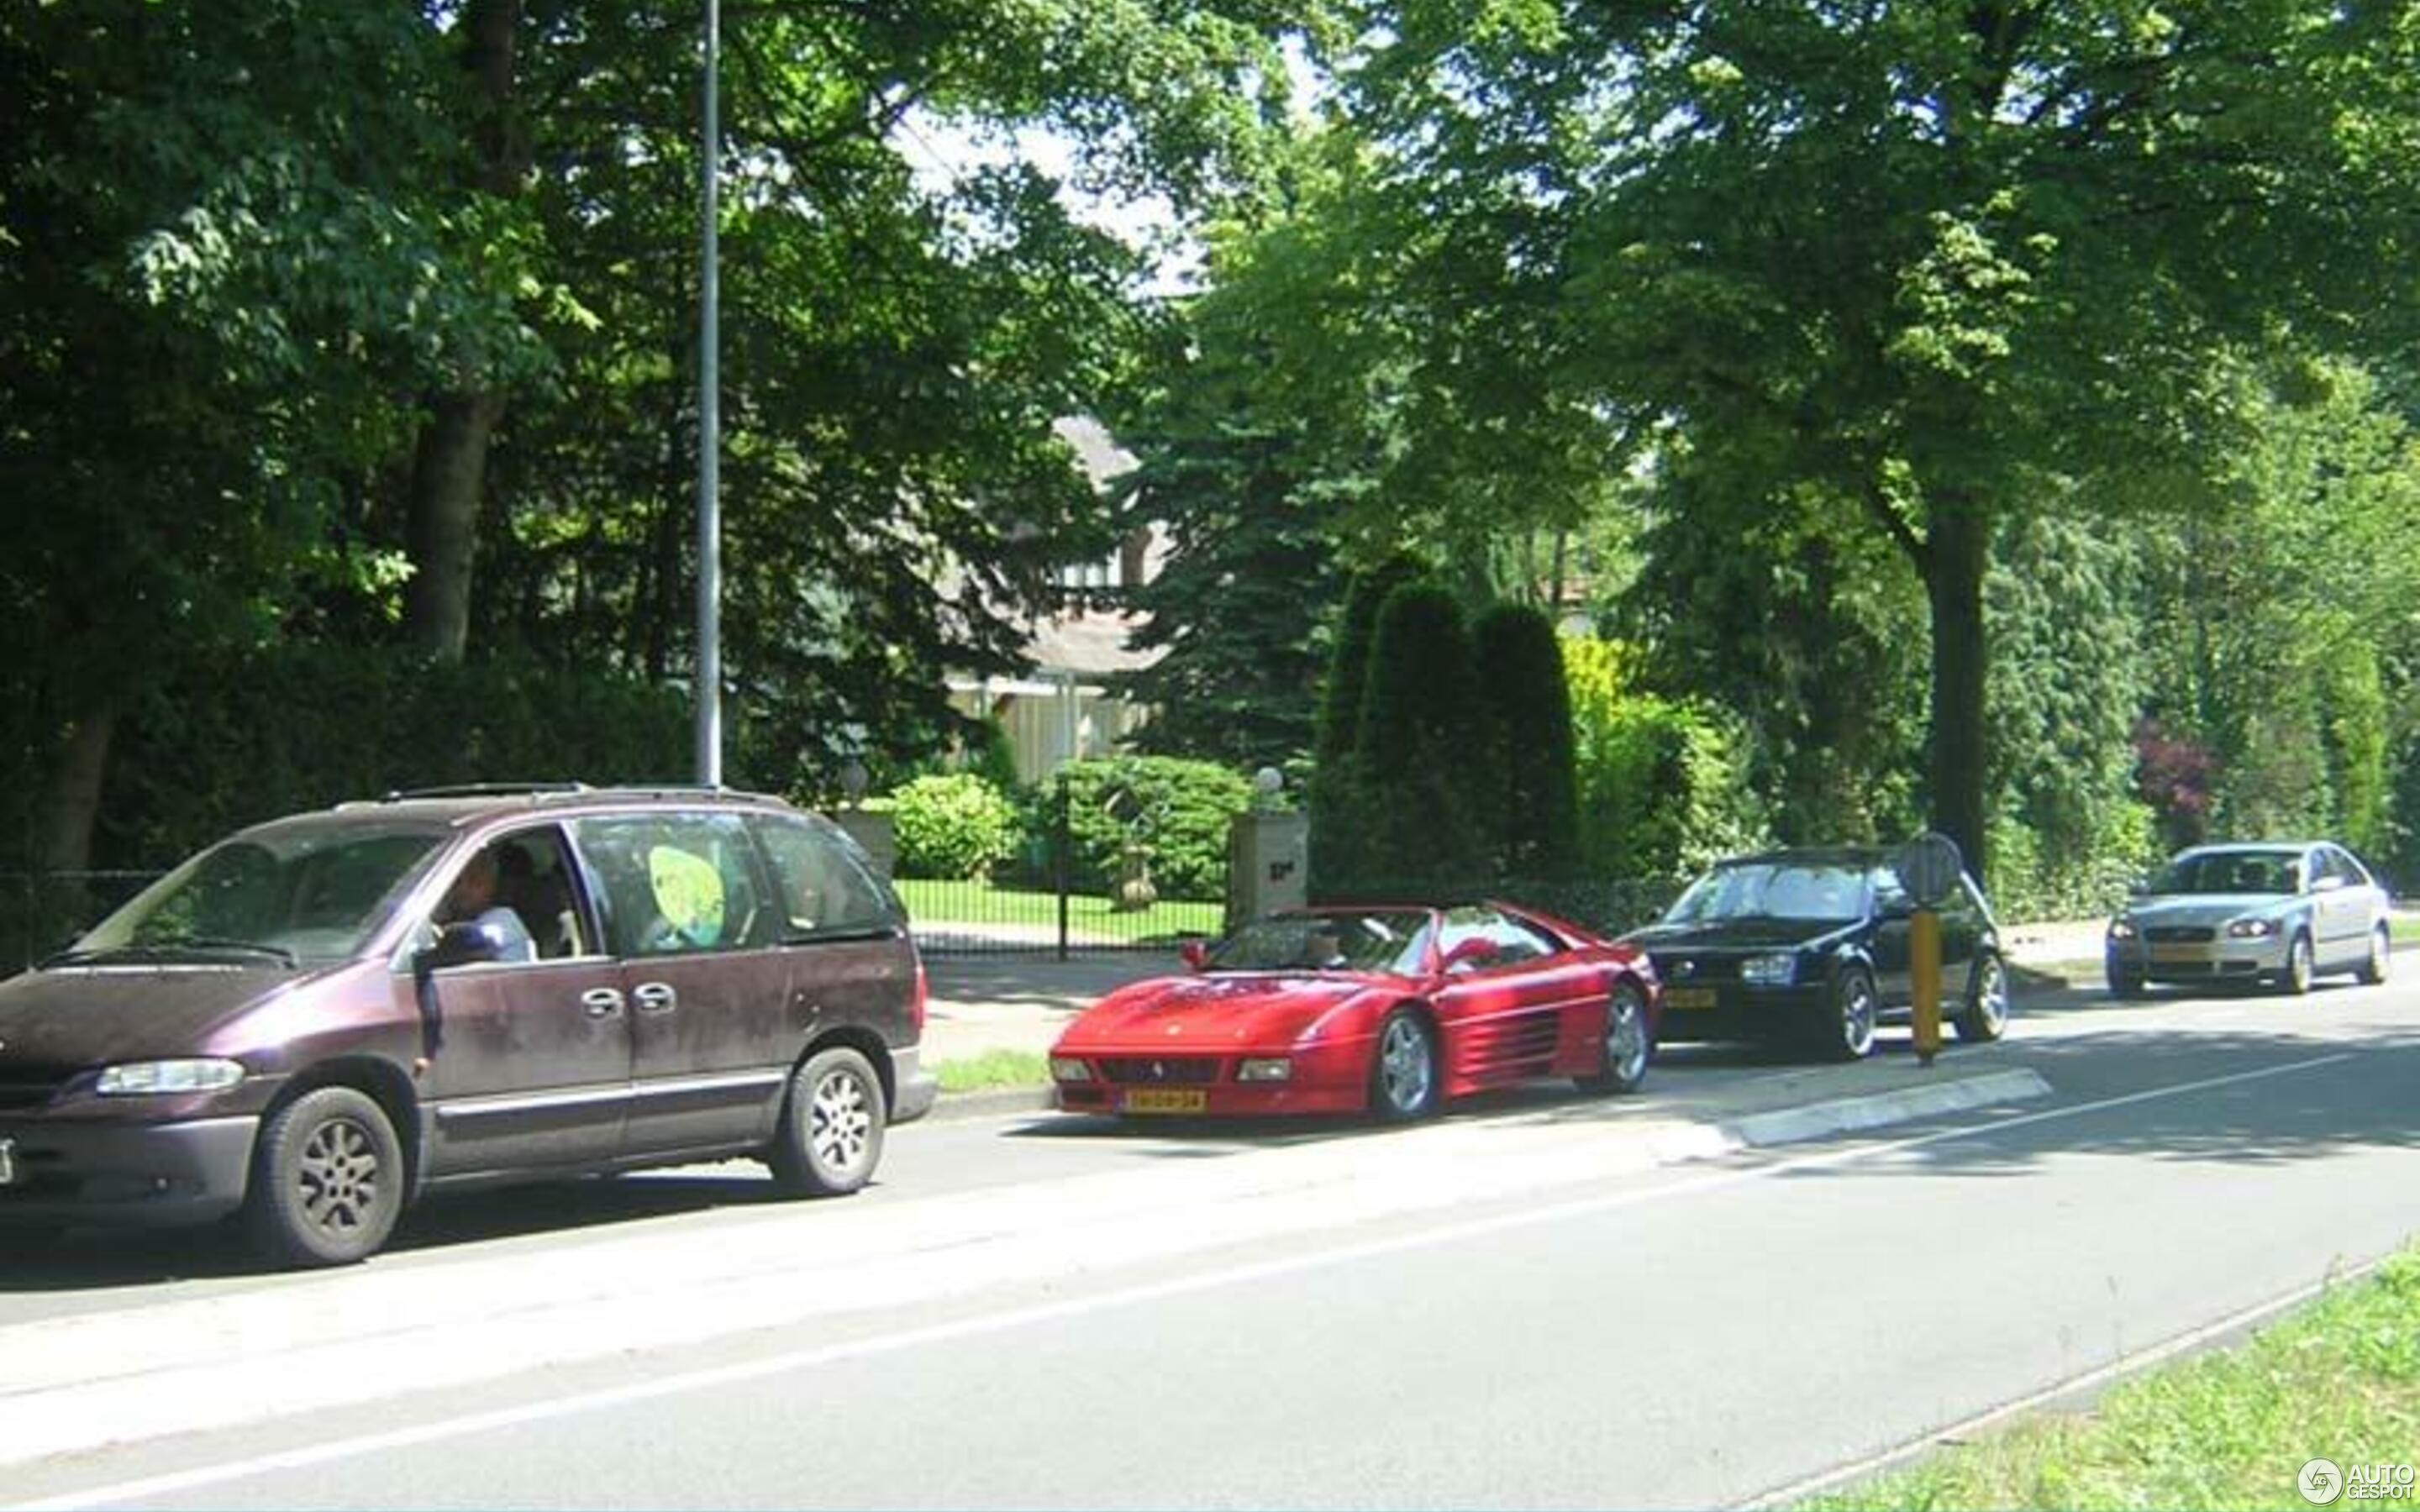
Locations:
(1179, 808)
(952, 825)
(223, 745)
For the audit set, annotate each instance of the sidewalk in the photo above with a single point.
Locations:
(984, 1003)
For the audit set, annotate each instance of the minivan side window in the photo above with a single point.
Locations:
(821, 888)
(677, 883)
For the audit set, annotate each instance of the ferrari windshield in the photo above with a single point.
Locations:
(2232, 871)
(288, 894)
(1345, 939)
(1773, 889)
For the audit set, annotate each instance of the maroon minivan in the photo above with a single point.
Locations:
(321, 1017)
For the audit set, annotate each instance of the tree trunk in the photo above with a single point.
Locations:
(448, 475)
(74, 799)
(1957, 548)
(450, 464)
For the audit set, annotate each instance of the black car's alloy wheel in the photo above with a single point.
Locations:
(1855, 1009)
(1985, 1018)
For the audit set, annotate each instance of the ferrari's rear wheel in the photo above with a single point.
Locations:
(1404, 1073)
(1625, 1041)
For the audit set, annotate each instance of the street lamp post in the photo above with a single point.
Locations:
(709, 428)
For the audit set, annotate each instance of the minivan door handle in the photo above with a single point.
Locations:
(655, 998)
(601, 1003)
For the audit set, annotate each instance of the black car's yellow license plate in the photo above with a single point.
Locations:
(1162, 1099)
(1688, 997)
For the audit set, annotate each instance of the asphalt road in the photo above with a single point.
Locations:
(1500, 1309)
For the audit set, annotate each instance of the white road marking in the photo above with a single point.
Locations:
(1020, 1318)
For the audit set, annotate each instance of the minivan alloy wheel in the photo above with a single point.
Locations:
(328, 1179)
(830, 1138)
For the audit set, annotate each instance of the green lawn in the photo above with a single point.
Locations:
(2403, 929)
(932, 901)
(2338, 1380)
(992, 1069)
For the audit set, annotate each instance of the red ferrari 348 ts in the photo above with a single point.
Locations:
(1384, 1010)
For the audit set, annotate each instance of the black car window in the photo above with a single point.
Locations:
(677, 883)
(821, 887)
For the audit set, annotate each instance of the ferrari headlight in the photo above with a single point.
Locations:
(1069, 1069)
(154, 1078)
(2251, 929)
(1264, 1069)
(1776, 970)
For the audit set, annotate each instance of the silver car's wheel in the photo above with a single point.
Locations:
(1402, 1074)
(1853, 1012)
(1986, 1015)
(2298, 965)
(1626, 1044)
(2381, 949)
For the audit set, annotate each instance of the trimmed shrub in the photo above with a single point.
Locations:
(1340, 807)
(1529, 797)
(1180, 810)
(954, 825)
(1422, 747)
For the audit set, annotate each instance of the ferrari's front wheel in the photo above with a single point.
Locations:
(1625, 1041)
(1404, 1071)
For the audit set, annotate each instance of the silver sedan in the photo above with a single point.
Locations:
(2283, 913)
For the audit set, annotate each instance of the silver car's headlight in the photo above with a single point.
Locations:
(2121, 929)
(1776, 970)
(154, 1078)
(2251, 929)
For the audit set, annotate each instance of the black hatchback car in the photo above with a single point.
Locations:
(1812, 947)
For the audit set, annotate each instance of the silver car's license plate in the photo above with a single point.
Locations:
(7, 1162)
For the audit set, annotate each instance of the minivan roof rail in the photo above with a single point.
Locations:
(482, 790)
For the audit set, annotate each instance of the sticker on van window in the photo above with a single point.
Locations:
(688, 894)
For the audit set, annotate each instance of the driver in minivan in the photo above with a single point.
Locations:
(472, 899)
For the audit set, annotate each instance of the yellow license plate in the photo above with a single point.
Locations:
(1157, 1099)
(2180, 952)
(1688, 997)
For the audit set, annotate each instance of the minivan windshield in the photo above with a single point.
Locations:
(1773, 889)
(289, 894)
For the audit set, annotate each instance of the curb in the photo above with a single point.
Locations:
(956, 1107)
(1847, 1114)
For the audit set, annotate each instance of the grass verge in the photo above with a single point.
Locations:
(993, 1071)
(2338, 1380)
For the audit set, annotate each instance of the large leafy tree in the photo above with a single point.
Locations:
(215, 273)
(1940, 262)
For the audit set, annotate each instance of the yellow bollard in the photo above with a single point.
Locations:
(1924, 973)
